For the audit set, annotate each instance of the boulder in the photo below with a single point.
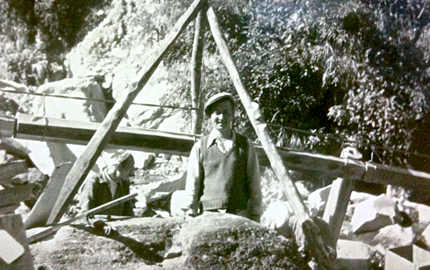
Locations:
(71, 109)
(358, 197)
(179, 203)
(318, 199)
(373, 214)
(353, 255)
(210, 241)
(277, 217)
(394, 236)
(35, 177)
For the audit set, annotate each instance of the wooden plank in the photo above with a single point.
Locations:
(15, 195)
(196, 72)
(77, 132)
(13, 147)
(337, 204)
(10, 169)
(107, 128)
(41, 233)
(12, 224)
(7, 126)
(41, 210)
(67, 131)
(322, 254)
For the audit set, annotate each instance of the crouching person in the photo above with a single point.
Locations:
(112, 183)
(223, 171)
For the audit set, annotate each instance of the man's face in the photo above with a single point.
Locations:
(125, 170)
(222, 115)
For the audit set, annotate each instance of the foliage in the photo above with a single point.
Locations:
(356, 69)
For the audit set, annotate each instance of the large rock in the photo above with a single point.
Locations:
(318, 199)
(353, 255)
(278, 217)
(71, 109)
(394, 236)
(35, 177)
(212, 241)
(373, 214)
(117, 50)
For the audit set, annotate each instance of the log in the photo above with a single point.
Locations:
(68, 131)
(15, 195)
(76, 132)
(41, 210)
(7, 126)
(107, 128)
(337, 204)
(16, 242)
(10, 169)
(312, 234)
(55, 227)
(196, 72)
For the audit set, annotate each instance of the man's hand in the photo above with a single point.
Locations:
(103, 227)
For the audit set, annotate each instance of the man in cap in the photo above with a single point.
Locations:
(223, 171)
(112, 183)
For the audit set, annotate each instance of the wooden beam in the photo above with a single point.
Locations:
(337, 204)
(15, 195)
(313, 236)
(41, 210)
(107, 128)
(39, 234)
(75, 132)
(196, 72)
(10, 169)
(7, 126)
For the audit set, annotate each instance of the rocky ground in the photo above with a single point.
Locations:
(216, 241)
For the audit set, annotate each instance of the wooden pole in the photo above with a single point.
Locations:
(312, 233)
(10, 169)
(107, 128)
(196, 72)
(49, 230)
(337, 204)
(75, 132)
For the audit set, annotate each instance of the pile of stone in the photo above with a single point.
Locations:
(372, 226)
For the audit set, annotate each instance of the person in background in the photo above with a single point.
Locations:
(112, 183)
(223, 171)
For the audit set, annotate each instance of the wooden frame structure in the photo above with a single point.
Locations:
(100, 135)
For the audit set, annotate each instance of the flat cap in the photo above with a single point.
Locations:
(217, 98)
(121, 156)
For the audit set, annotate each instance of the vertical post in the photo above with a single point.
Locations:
(337, 204)
(321, 252)
(196, 72)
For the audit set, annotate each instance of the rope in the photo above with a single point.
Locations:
(99, 100)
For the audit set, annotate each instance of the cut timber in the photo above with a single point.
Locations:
(39, 234)
(7, 126)
(40, 212)
(12, 224)
(15, 195)
(107, 128)
(322, 254)
(337, 204)
(10, 169)
(76, 132)
(67, 131)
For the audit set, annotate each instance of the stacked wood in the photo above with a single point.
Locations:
(14, 251)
